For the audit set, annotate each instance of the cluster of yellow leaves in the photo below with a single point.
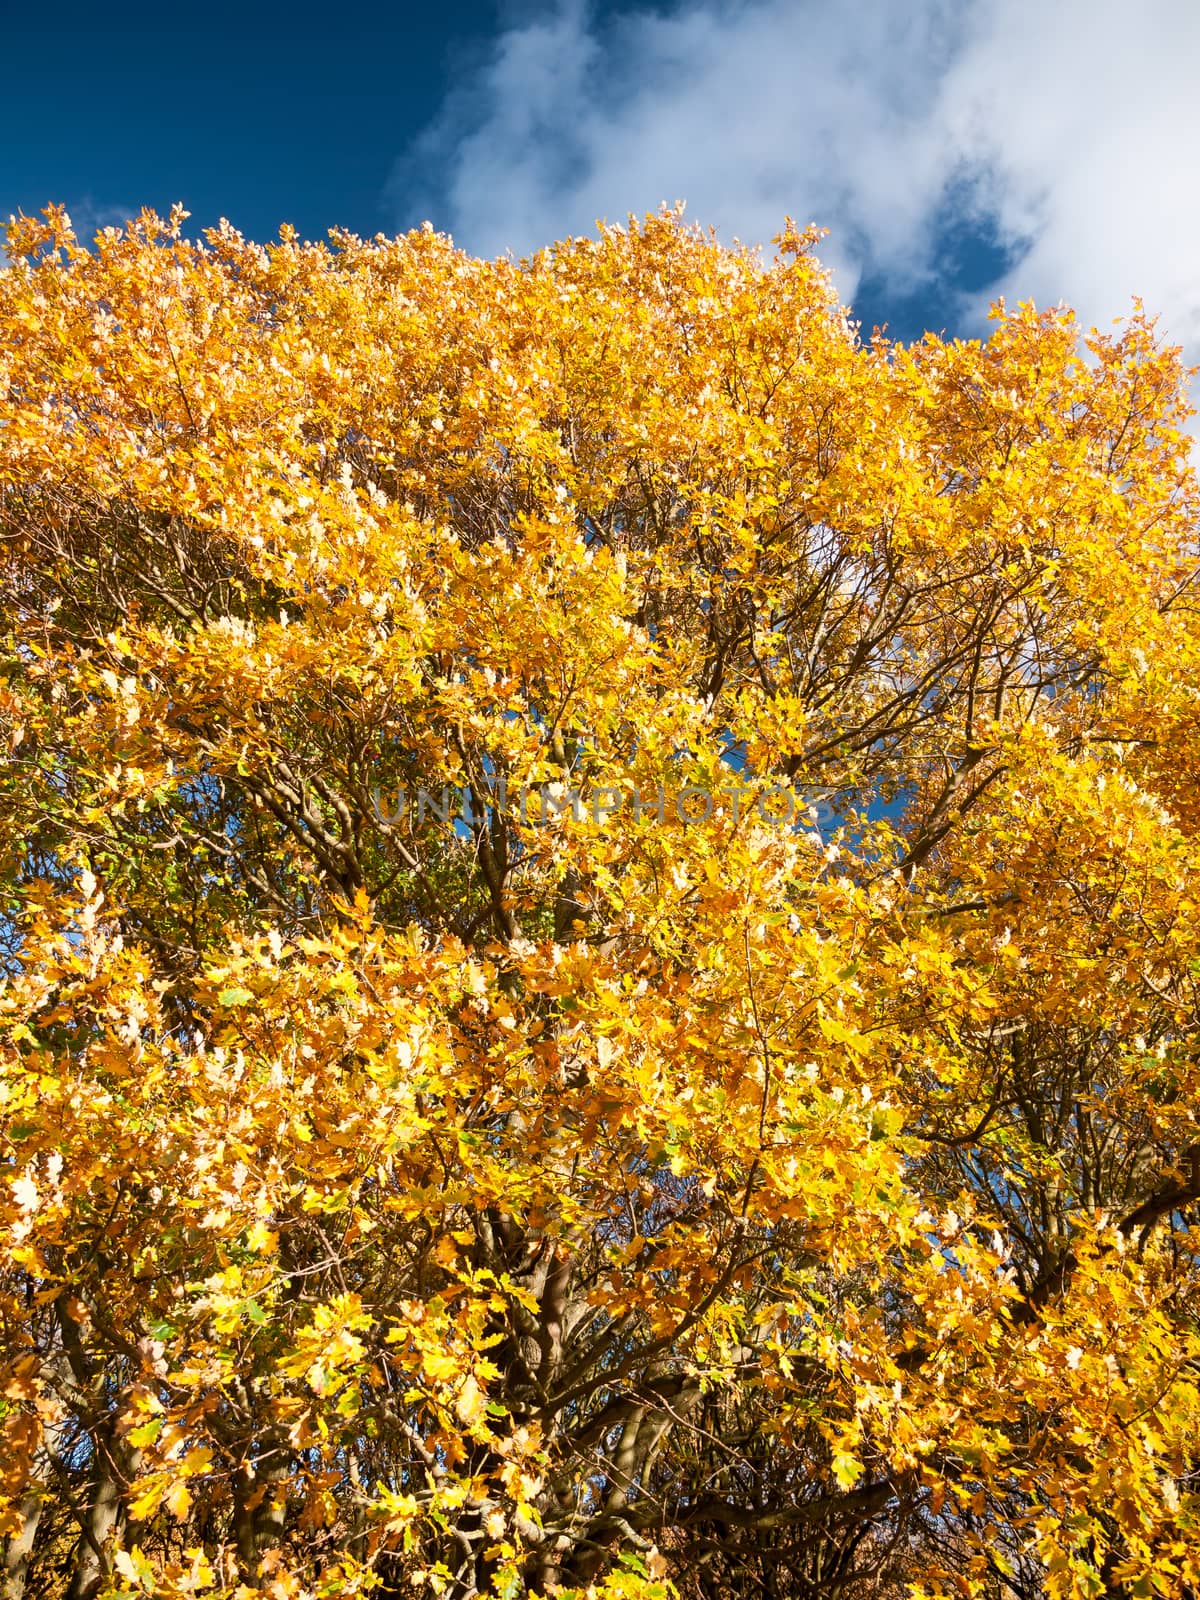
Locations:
(391, 1203)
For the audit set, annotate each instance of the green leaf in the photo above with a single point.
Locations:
(235, 997)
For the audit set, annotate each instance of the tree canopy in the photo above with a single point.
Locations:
(746, 1145)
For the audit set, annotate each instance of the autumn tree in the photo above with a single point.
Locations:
(599, 929)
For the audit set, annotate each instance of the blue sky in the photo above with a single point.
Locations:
(956, 149)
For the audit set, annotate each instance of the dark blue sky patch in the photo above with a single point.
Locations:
(262, 114)
(967, 257)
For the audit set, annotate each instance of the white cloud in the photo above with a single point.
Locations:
(1065, 126)
(1084, 116)
(87, 216)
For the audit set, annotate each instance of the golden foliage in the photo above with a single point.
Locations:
(553, 1201)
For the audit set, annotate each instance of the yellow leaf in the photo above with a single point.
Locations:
(178, 1500)
(262, 1239)
(470, 1402)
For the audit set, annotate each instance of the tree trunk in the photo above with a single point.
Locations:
(20, 1546)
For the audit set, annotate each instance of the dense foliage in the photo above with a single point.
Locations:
(608, 1195)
